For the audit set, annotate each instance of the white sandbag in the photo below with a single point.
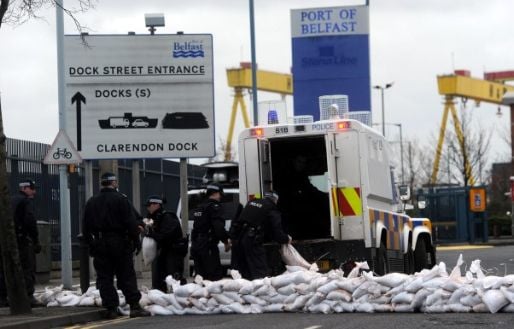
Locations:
(357, 269)
(292, 257)
(362, 290)
(459, 308)
(339, 294)
(347, 307)
(430, 274)
(506, 281)
(291, 298)
(364, 308)
(414, 285)
(403, 298)
(149, 249)
(266, 290)
(316, 298)
(420, 298)
(320, 308)
(200, 292)
(236, 284)
(494, 300)
(277, 299)
(438, 297)
(383, 308)
(156, 309)
(256, 309)
(234, 296)
(238, 308)
(193, 311)
(403, 308)
(87, 301)
(215, 287)
(509, 294)
(201, 305)
(390, 280)
(508, 309)
(302, 277)
(287, 290)
(380, 300)
(158, 297)
(253, 300)
(319, 281)
(235, 274)
(476, 269)
(471, 300)
(172, 300)
(305, 288)
(460, 293)
(71, 300)
(350, 284)
(480, 308)
(52, 303)
(294, 268)
(298, 304)
(124, 310)
(328, 287)
(185, 290)
(435, 283)
(272, 308)
(222, 299)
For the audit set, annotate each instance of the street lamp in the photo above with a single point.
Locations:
(382, 88)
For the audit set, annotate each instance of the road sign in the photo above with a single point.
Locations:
(140, 96)
(62, 151)
(477, 201)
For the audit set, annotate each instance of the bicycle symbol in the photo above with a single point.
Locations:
(62, 153)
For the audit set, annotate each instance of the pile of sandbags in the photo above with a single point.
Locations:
(302, 290)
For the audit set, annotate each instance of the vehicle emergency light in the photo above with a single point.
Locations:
(256, 132)
(343, 125)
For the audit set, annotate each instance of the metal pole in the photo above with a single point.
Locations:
(401, 153)
(66, 261)
(184, 205)
(254, 65)
(383, 111)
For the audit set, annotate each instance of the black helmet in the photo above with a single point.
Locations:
(213, 188)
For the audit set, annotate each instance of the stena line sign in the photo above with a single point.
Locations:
(140, 96)
(330, 57)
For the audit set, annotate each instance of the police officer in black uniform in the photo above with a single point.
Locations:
(111, 229)
(165, 229)
(27, 236)
(260, 222)
(208, 230)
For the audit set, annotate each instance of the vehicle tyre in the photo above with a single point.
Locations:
(420, 255)
(408, 260)
(382, 264)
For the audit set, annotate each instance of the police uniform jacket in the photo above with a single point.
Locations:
(208, 222)
(109, 213)
(263, 216)
(166, 229)
(25, 222)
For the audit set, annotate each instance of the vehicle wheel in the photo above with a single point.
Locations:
(420, 255)
(408, 260)
(382, 265)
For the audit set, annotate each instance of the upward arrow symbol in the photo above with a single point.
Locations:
(79, 99)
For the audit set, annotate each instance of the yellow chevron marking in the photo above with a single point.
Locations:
(354, 199)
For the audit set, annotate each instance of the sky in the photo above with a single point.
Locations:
(411, 43)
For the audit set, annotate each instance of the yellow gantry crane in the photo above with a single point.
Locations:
(460, 84)
(241, 79)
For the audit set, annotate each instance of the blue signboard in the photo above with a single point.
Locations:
(330, 57)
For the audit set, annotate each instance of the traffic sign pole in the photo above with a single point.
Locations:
(66, 262)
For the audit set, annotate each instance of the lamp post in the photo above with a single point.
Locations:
(382, 88)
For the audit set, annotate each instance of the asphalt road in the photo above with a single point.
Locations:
(492, 259)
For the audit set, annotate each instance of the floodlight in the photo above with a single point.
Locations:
(154, 20)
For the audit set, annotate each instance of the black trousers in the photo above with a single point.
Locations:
(113, 256)
(28, 266)
(206, 256)
(166, 263)
(249, 257)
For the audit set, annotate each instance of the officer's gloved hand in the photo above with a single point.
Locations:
(290, 239)
(37, 248)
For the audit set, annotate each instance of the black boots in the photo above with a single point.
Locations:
(109, 314)
(136, 311)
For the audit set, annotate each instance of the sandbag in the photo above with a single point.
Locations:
(149, 249)
(292, 257)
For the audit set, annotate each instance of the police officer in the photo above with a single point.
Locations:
(208, 230)
(112, 231)
(165, 229)
(260, 222)
(27, 236)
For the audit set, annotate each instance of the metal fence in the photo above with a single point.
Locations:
(25, 160)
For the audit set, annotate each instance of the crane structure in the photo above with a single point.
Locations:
(490, 90)
(241, 79)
